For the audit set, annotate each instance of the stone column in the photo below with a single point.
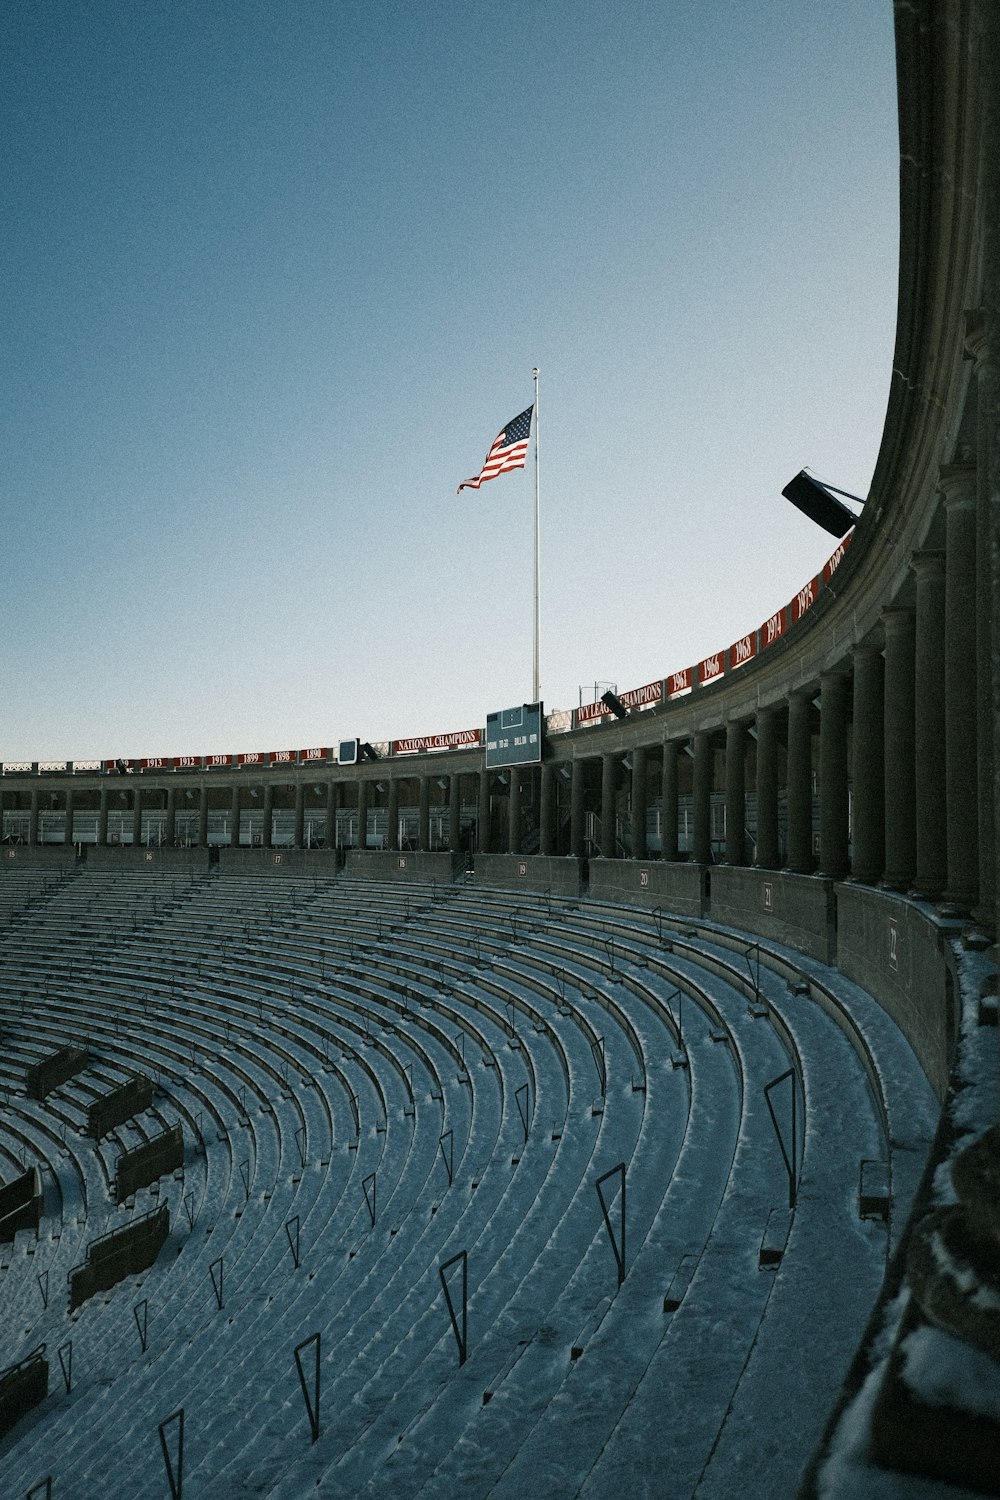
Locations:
(640, 802)
(332, 803)
(768, 843)
(392, 832)
(958, 486)
(68, 826)
(668, 801)
(608, 783)
(546, 809)
(424, 815)
(868, 769)
(514, 811)
(33, 818)
(577, 833)
(799, 795)
(170, 831)
(483, 828)
(363, 786)
(136, 816)
(203, 816)
(702, 798)
(455, 813)
(299, 826)
(267, 817)
(900, 749)
(102, 815)
(929, 729)
(987, 408)
(833, 794)
(736, 799)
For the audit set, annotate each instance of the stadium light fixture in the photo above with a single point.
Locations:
(816, 500)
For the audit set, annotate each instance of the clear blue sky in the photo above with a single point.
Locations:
(274, 275)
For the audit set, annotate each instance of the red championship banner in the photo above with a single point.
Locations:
(283, 757)
(187, 762)
(679, 683)
(154, 763)
(641, 697)
(253, 758)
(109, 765)
(456, 740)
(804, 599)
(772, 630)
(306, 755)
(832, 563)
(710, 668)
(743, 650)
(213, 762)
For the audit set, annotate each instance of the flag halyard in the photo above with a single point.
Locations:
(509, 451)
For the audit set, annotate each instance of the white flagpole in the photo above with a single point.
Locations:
(536, 691)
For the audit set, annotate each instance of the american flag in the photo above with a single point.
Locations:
(509, 450)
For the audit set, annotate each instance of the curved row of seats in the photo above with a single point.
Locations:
(373, 1079)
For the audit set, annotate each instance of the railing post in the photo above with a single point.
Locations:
(143, 1327)
(618, 1249)
(312, 1406)
(461, 1335)
(66, 1364)
(449, 1159)
(217, 1285)
(175, 1473)
(293, 1245)
(790, 1162)
(523, 1108)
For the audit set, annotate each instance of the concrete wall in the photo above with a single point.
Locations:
(126, 857)
(794, 909)
(676, 887)
(529, 872)
(240, 861)
(383, 864)
(897, 951)
(49, 857)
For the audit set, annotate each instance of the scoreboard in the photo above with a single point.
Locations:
(514, 736)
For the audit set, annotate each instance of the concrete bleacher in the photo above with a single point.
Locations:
(377, 1032)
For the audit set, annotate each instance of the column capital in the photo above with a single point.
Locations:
(957, 484)
(929, 562)
(897, 619)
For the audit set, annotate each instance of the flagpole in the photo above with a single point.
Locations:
(536, 692)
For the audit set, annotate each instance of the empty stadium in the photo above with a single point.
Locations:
(620, 1123)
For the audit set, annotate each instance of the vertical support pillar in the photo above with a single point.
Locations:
(736, 801)
(234, 817)
(702, 798)
(424, 814)
(900, 749)
(768, 843)
(102, 816)
(833, 790)
(392, 832)
(577, 833)
(136, 815)
(546, 809)
(668, 801)
(455, 813)
(170, 831)
(987, 405)
(929, 728)
(298, 836)
(363, 786)
(33, 819)
(868, 768)
(332, 802)
(608, 787)
(68, 826)
(203, 816)
(267, 813)
(799, 798)
(639, 802)
(483, 819)
(958, 486)
(514, 811)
